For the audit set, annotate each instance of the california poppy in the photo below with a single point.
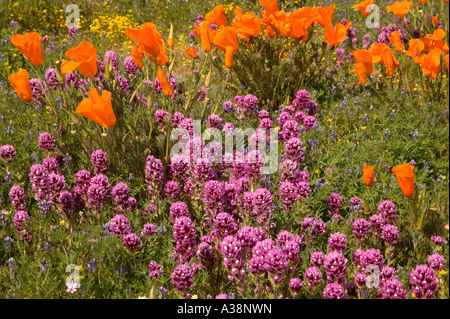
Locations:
(226, 40)
(396, 41)
(368, 175)
(435, 21)
(217, 16)
(137, 55)
(21, 84)
(435, 41)
(246, 24)
(382, 53)
(400, 8)
(170, 38)
(270, 6)
(415, 50)
(150, 41)
(268, 32)
(206, 35)
(337, 34)
(30, 46)
(167, 89)
(85, 56)
(191, 52)
(326, 15)
(431, 63)
(98, 108)
(363, 7)
(446, 61)
(405, 178)
(363, 60)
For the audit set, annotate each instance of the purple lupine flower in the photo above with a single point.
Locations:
(357, 258)
(214, 120)
(157, 89)
(314, 276)
(161, 117)
(51, 165)
(46, 142)
(177, 117)
(392, 289)
(335, 202)
(423, 282)
(20, 220)
(275, 262)
(261, 202)
(37, 89)
(149, 230)
(228, 128)
(131, 241)
(52, 80)
(247, 236)
(376, 222)
(389, 233)
(155, 269)
(98, 191)
(67, 203)
(183, 277)
(228, 107)
(366, 41)
(340, 54)
(120, 194)
(17, 197)
(289, 130)
(265, 123)
(416, 34)
(263, 114)
(262, 247)
(293, 149)
(436, 261)
(337, 242)
(72, 32)
(153, 175)
(184, 235)
(83, 179)
(231, 251)
(172, 190)
(72, 78)
(213, 193)
(7, 153)
(372, 256)
(438, 240)
(225, 225)
(335, 265)
(356, 204)
(317, 258)
(129, 65)
(301, 99)
(387, 273)
(124, 86)
(177, 210)
(99, 160)
(119, 225)
(206, 256)
(283, 118)
(387, 210)
(39, 181)
(288, 195)
(334, 291)
(250, 101)
(113, 59)
(360, 279)
(296, 285)
(360, 228)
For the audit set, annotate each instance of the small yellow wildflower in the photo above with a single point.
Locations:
(329, 120)
(194, 297)
(363, 128)
(79, 267)
(61, 222)
(442, 272)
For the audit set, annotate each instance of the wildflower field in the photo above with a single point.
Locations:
(255, 149)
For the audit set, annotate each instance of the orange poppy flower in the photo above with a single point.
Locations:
(435, 21)
(416, 47)
(363, 7)
(382, 53)
(137, 55)
(368, 175)
(363, 60)
(405, 178)
(21, 84)
(246, 24)
(395, 40)
(400, 8)
(270, 6)
(326, 15)
(30, 46)
(337, 34)
(150, 41)
(85, 56)
(226, 40)
(170, 37)
(268, 32)
(446, 61)
(98, 108)
(431, 63)
(191, 52)
(205, 34)
(423, 1)
(435, 41)
(167, 89)
(217, 16)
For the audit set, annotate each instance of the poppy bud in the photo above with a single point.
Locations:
(368, 176)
